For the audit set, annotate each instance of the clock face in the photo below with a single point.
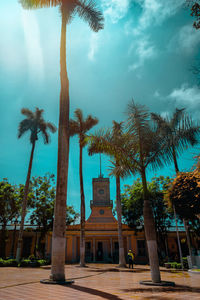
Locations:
(101, 191)
(101, 211)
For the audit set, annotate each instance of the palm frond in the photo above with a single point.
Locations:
(51, 127)
(117, 169)
(89, 123)
(177, 116)
(24, 126)
(74, 128)
(88, 10)
(33, 4)
(27, 112)
(79, 116)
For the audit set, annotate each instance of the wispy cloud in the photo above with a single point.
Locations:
(155, 12)
(33, 46)
(115, 9)
(144, 51)
(186, 40)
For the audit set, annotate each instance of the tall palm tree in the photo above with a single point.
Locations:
(34, 123)
(80, 126)
(86, 9)
(147, 149)
(108, 142)
(180, 132)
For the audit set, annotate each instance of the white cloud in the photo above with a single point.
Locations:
(115, 9)
(93, 46)
(155, 12)
(33, 46)
(188, 39)
(186, 96)
(144, 51)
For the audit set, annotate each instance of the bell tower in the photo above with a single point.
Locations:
(101, 205)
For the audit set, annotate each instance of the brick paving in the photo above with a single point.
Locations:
(96, 281)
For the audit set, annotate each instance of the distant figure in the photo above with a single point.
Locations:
(130, 259)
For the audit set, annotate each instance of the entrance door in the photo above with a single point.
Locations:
(27, 242)
(88, 252)
(99, 251)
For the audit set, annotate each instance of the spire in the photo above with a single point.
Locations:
(100, 175)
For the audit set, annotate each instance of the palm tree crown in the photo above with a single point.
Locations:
(86, 9)
(36, 124)
(179, 131)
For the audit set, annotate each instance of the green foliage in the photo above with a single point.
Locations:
(8, 263)
(132, 203)
(184, 194)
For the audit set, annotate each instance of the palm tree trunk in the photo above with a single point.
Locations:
(188, 239)
(24, 206)
(122, 262)
(59, 227)
(175, 160)
(82, 237)
(150, 233)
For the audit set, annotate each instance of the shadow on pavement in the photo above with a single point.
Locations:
(94, 292)
(177, 288)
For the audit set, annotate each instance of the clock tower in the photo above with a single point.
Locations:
(101, 205)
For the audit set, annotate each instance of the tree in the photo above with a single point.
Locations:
(80, 126)
(34, 123)
(132, 208)
(194, 6)
(108, 142)
(179, 131)
(9, 209)
(43, 200)
(147, 149)
(86, 10)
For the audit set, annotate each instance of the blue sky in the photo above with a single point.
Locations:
(145, 52)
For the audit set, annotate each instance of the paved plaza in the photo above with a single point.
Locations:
(96, 281)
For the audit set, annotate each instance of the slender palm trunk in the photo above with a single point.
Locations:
(188, 239)
(82, 237)
(175, 160)
(122, 262)
(59, 227)
(24, 206)
(150, 233)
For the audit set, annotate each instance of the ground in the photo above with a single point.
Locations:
(96, 281)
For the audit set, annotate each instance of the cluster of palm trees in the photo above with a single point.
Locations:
(148, 140)
(133, 150)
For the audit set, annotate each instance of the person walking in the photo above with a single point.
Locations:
(130, 259)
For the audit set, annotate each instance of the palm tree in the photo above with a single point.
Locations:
(147, 149)
(108, 142)
(80, 126)
(86, 10)
(180, 132)
(34, 123)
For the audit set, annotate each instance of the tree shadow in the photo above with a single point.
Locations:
(94, 292)
(139, 270)
(175, 289)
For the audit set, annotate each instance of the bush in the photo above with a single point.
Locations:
(8, 263)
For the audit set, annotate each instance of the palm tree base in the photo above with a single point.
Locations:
(161, 283)
(60, 282)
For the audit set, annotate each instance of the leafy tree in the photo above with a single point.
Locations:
(194, 6)
(43, 200)
(179, 131)
(9, 209)
(80, 126)
(109, 142)
(86, 9)
(132, 207)
(34, 123)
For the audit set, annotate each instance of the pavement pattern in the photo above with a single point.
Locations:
(95, 282)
